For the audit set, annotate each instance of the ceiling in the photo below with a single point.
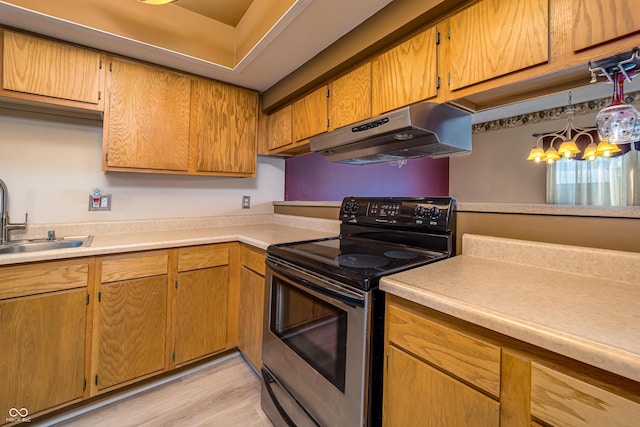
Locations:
(250, 43)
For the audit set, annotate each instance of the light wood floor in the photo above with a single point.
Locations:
(224, 394)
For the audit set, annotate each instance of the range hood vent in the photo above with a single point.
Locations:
(419, 130)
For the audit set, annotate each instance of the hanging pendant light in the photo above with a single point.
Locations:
(606, 149)
(551, 155)
(536, 154)
(591, 152)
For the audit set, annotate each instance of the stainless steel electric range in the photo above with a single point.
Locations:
(324, 325)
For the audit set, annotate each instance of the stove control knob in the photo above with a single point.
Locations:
(354, 208)
(434, 212)
(346, 208)
(420, 211)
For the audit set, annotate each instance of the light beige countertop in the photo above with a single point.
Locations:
(582, 303)
(512, 208)
(259, 231)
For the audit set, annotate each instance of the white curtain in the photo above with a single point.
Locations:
(613, 181)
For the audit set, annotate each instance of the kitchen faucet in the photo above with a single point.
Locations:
(4, 214)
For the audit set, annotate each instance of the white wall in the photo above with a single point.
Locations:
(497, 171)
(50, 164)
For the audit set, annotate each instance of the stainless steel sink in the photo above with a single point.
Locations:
(36, 245)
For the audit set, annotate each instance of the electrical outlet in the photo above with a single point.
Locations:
(101, 202)
(246, 202)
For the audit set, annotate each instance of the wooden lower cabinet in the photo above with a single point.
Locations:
(201, 313)
(132, 327)
(420, 395)
(42, 361)
(252, 305)
(441, 371)
(130, 319)
(201, 302)
(43, 313)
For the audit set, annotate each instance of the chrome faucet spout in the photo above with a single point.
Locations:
(5, 224)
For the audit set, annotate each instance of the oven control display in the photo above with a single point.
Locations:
(384, 209)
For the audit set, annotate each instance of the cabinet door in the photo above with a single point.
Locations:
(279, 133)
(309, 115)
(251, 315)
(201, 313)
(415, 394)
(42, 361)
(37, 66)
(495, 37)
(350, 97)
(224, 123)
(146, 125)
(564, 401)
(131, 329)
(601, 21)
(406, 74)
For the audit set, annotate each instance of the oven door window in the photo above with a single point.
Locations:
(313, 328)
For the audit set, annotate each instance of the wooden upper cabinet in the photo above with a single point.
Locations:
(66, 74)
(601, 21)
(309, 115)
(494, 37)
(224, 129)
(405, 74)
(350, 97)
(279, 129)
(146, 123)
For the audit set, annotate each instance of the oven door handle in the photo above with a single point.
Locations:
(327, 289)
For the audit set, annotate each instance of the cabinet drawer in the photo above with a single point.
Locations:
(133, 266)
(253, 259)
(471, 360)
(30, 279)
(195, 257)
(562, 400)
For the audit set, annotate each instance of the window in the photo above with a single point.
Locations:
(610, 181)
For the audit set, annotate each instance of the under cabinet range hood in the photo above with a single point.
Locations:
(419, 130)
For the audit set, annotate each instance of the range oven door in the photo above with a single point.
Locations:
(315, 349)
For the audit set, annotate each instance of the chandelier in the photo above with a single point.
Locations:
(566, 141)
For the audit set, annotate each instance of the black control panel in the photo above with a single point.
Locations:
(437, 213)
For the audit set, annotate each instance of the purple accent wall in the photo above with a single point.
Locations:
(313, 177)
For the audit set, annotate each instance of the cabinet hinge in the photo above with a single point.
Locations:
(174, 356)
(99, 296)
(176, 283)
(387, 363)
(449, 32)
(100, 64)
(99, 95)
(437, 37)
(438, 82)
(110, 66)
(328, 92)
(449, 78)
(84, 384)
(328, 122)
(106, 158)
(87, 299)
(96, 381)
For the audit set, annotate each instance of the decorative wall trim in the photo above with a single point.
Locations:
(550, 114)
